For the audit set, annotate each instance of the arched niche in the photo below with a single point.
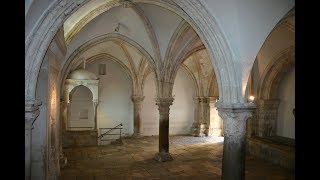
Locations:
(81, 109)
(81, 78)
(70, 84)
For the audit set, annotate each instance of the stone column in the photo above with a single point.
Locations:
(31, 113)
(137, 105)
(204, 106)
(234, 122)
(195, 125)
(266, 115)
(63, 126)
(164, 108)
(200, 125)
(215, 123)
(68, 115)
(95, 104)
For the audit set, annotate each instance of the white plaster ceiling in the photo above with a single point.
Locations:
(130, 26)
(280, 39)
(116, 49)
(164, 23)
(200, 65)
(81, 13)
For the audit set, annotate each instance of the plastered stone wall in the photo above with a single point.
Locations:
(115, 91)
(286, 91)
(182, 109)
(181, 112)
(79, 138)
(277, 154)
(149, 111)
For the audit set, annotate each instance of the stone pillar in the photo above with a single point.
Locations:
(215, 122)
(53, 156)
(68, 115)
(266, 115)
(164, 108)
(63, 126)
(31, 113)
(95, 104)
(204, 107)
(200, 125)
(64, 106)
(137, 105)
(195, 125)
(234, 122)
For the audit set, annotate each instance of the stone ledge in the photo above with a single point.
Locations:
(276, 153)
(80, 138)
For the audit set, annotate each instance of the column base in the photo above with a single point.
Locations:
(201, 130)
(163, 157)
(137, 135)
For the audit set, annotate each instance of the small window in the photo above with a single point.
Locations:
(83, 114)
(102, 69)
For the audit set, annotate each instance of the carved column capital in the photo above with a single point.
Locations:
(213, 99)
(137, 98)
(164, 104)
(31, 112)
(201, 99)
(234, 117)
(196, 100)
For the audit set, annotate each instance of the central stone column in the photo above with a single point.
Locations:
(234, 122)
(137, 105)
(31, 114)
(164, 108)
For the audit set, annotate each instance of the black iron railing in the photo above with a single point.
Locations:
(119, 127)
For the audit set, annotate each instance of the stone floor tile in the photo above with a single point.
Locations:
(193, 158)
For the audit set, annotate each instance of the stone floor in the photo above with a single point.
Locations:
(194, 158)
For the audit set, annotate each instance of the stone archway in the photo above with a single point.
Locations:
(194, 12)
(268, 86)
(267, 91)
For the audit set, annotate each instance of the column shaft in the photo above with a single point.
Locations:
(234, 122)
(164, 108)
(31, 114)
(137, 102)
(95, 104)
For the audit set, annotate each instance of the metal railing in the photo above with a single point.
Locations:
(119, 126)
(80, 127)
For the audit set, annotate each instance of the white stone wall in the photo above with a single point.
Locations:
(286, 94)
(181, 112)
(115, 91)
(182, 109)
(149, 111)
